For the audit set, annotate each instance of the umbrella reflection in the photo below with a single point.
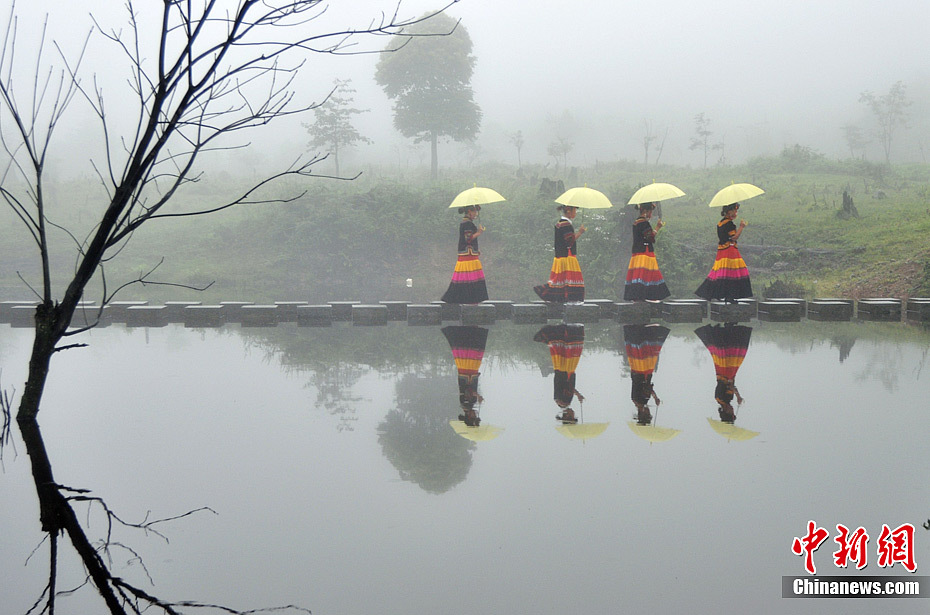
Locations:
(727, 344)
(581, 431)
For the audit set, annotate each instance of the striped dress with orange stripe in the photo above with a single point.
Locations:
(728, 278)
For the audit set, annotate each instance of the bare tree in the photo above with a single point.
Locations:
(215, 69)
(661, 147)
(649, 135)
(211, 70)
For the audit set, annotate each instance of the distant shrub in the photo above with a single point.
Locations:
(793, 159)
(781, 288)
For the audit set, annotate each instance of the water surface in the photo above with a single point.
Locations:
(339, 485)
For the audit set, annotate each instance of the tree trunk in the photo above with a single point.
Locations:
(43, 347)
(434, 156)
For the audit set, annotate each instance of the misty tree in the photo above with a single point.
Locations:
(516, 139)
(890, 111)
(429, 79)
(332, 127)
(702, 133)
(856, 140)
(649, 135)
(560, 148)
(721, 146)
(199, 75)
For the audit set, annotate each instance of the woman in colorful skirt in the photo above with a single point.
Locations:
(467, 344)
(566, 285)
(566, 341)
(727, 345)
(468, 285)
(728, 279)
(642, 344)
(644, 281)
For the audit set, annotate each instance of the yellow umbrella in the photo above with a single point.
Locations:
(652, 433)
(584, 197)
(731, 431)
(655, 192)
(476, 196)
(734, 193)
(582, 431)
(481, 433)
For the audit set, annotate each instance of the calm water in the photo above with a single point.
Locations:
(338, 484)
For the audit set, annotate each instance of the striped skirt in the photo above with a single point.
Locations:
(727, 345)
(467, 285)
(566, 284)
(644, 281)
(642, 345)
(728, 279)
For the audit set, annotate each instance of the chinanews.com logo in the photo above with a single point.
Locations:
(893, 547)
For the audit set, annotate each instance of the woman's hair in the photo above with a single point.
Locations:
(462, 210)
(643, 207)
(562, 208)
(727, 208)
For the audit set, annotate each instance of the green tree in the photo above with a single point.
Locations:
(890, 112)
(429, 80)
(332, 126)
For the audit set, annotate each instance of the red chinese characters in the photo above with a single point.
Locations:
(897, 546)
(894, 546)
(808, 544)
(852, 546)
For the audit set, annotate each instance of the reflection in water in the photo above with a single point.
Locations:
(415, 436)
(642, 345)
(727, 344)
(59, 519)
(306, 512)
(468, 344)
(845, 344)
(416, 439)
(334, 393)
(566, 341)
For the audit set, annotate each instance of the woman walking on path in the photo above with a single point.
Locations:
(566, 285)
(729, 278)
(644, 281)
(468, 285)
